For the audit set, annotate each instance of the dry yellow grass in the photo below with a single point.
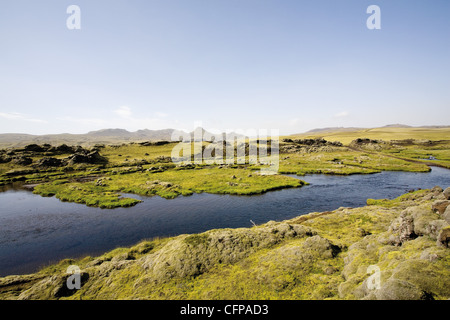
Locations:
(381, 134)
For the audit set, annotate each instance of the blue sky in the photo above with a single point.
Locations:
(227, 64)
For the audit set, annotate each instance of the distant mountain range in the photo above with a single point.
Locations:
(342, 129)
(114, 136)
(104, 136)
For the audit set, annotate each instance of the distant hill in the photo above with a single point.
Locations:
(341, 129)
(104, 136)
(397, 126)
(116, 135)
(389, 132)
(333, 129)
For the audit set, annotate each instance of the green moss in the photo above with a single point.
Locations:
(84, 193)
(398, 200)
(317, 256)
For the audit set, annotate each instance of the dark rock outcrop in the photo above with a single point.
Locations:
(22, 160)
(49, 162)
(92, 157)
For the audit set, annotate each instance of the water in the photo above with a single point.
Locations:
(36, 231)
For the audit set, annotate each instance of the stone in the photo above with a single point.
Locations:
(444, 237)
(5, 158)
(49, 162)
(446, 193)
(395, 289)
(446, 215)
(440, 206)
(321, 246)
(22, 160)
(402, 228)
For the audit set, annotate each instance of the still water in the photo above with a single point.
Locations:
(36, 231)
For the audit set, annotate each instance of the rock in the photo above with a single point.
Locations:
(395, 289)
(428, 255)
(402, 228)
(95, 262)
(34, 148)
(163, 159)
(426, 222)
(165, 184)
(61, 289)
(52, 287)
(62, 149)
(5, 158)
(92, 158)
(321, 246)
(22, 160)
(434, 228)
(437, 189)
(101, 182)
(446, 215)
(363, 232)
(440, 206)
(49, 162)
(444, 237)
(447, 193)
(123, 257)
(192, 255)
(186, 166)
(16, 284)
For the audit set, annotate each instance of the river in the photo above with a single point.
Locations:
(36, 231)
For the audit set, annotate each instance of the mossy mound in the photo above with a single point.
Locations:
(393, 249)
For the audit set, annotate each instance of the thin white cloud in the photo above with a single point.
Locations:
(342, 114)
(123, 111)
(20, 117)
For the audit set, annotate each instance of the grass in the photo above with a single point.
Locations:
(395, 202)
(345, 162)
(148, 170)
(320, 256)
(84, 193)
(105, 192)
(386, 134)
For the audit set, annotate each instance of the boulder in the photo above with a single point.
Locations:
(321, 247)
(437, 189)
(60, 285)
(446, 215)
(444, 237)
(447, 193)
(402, 229)
(22, 160)
(5, 158)
(62, 149)
(395, 289)
(49, 162)
(440, 206)
(34, 148)
(93, 157)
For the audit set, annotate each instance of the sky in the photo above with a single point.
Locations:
(290, 65)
